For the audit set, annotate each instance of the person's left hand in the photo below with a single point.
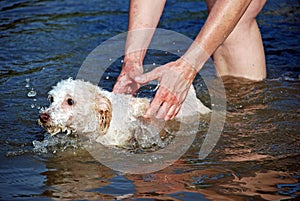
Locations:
(175, 79)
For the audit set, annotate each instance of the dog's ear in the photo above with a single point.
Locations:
(104, 112)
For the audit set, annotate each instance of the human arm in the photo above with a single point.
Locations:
(172, 91)
(143, 19)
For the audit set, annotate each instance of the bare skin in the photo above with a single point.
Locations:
(230, 34)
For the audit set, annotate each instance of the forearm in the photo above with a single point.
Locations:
(144, 16)
(222, 19)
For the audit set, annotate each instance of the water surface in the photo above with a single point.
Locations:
(42, 42)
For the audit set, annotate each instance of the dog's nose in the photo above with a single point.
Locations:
(44, 117)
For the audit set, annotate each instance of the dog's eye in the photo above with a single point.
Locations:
(51, 99)
(70, 101)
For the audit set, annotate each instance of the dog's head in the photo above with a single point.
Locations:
(76, 106)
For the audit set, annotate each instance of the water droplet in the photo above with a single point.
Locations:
(122, 61)
(107, 77)
(42, 109)
(32, 105)
(178, 50)
(31, 93)
(174, 43)
(27, 82)
(154, 64)
(110, 59)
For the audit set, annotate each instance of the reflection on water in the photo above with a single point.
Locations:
(42, 42)
(74, 175)
(256, 158)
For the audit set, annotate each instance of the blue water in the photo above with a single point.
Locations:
(42, 42)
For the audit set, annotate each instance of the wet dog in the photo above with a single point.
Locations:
(111, 119)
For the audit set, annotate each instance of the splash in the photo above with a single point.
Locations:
(56, 143)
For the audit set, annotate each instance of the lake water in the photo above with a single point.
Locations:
(256, 158)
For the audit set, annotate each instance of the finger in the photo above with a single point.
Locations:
(147, 77)
(154, 107)
(124, 89)
(171, 112)
(163, 110)
(120, 84)
(177, 109)
(124, 85)
(120, 88)
(117, 89)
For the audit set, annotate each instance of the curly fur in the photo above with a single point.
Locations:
(108, 118)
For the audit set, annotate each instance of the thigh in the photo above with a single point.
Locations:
(251, 12)
(210, 4)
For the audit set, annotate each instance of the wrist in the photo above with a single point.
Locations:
(136, 57)
(133, 62)
(195, 56)
(188, 71)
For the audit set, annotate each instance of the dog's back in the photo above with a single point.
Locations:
(126, 111)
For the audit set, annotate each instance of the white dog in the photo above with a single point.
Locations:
(108, 118)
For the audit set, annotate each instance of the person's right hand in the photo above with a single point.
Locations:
(125, 82)
(175, 79)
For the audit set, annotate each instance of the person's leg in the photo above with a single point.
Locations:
(242, 53)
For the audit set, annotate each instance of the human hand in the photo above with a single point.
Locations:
(175, 79)
(125, 82)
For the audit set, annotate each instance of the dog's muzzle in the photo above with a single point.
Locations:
(44, 118)
(45, 121)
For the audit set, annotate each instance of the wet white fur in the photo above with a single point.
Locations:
(83, 116)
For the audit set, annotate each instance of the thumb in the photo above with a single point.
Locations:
(147, 77)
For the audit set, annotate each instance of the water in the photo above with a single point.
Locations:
(42, 42)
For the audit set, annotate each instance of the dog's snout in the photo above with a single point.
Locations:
(44, 117)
